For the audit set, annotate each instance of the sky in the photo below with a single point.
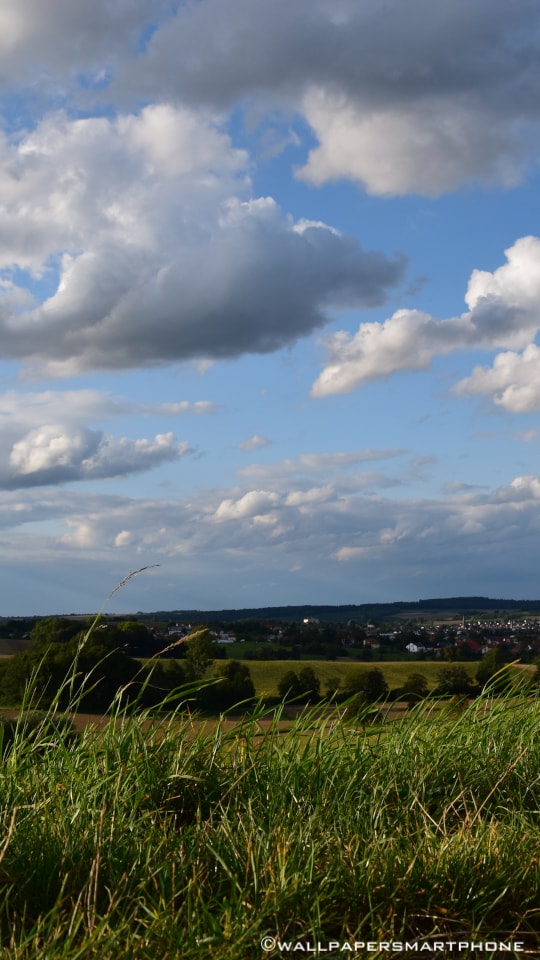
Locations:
(269, 302)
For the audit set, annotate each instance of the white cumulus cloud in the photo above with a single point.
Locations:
(502, 312)
(58, 453)
(512, 382)
(251, 504)
(45, 437)
(160, 252)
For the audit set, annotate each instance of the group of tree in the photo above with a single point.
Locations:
(302, 687)
(68, 661)
(492, 674)
(360, 686)
(363, 687)
(65, 665)
(62, 663)
(15, 627)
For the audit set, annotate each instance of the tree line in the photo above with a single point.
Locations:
(64, 665)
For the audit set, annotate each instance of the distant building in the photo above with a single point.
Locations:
(223, 637)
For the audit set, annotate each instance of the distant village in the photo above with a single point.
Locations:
(466, 640)
(518, 637)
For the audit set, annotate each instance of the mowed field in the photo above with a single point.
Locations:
(266, 674)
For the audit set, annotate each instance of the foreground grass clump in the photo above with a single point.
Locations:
(155, 840)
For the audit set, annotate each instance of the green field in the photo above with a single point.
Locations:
(266, 674)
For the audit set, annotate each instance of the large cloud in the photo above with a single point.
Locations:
(428, 147)
(160, 258)
(48, 41)
(402, 97)
(503, 312)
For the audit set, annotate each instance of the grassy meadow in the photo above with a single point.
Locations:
(150, 840)
(266, 674)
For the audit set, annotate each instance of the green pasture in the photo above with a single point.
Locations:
(266, 674)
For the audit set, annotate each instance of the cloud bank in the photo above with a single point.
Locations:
(316, 536)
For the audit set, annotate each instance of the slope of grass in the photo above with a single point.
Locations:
(147, 841)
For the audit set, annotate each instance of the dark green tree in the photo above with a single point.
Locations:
(158, 683)
(310, 683)
(289, 686)
(491, 671)
(134, 637)
(200, 652)
(415, 687)
(362, 690)
(332, 687)
(454, 680)
(369, 684)
(234, 687)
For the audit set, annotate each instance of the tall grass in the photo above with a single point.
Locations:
(153, 839)
(156, 839)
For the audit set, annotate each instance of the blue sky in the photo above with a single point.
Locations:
(269, 287)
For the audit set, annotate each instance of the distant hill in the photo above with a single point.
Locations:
(458, 606)
(435, 607)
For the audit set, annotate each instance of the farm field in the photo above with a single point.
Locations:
(266, 674)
